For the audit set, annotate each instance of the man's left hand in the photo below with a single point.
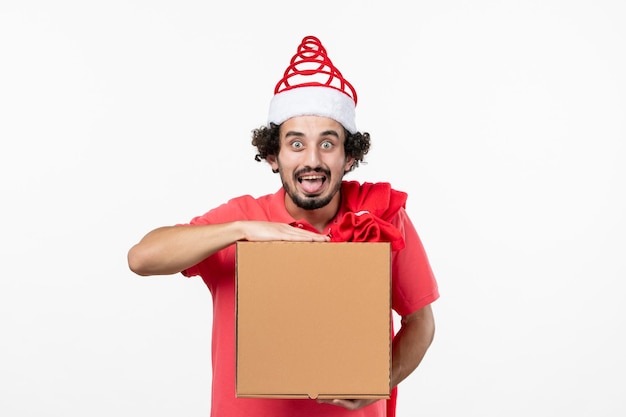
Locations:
(349, 404)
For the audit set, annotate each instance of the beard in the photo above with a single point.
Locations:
(311, 202)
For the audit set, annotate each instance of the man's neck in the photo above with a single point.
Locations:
(318, 218)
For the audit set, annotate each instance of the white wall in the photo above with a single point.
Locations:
(504, 121)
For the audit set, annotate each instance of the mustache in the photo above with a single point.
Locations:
(308, 170)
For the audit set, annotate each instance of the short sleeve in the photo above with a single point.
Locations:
(413, 283)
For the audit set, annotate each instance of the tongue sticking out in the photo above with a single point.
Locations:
(312, 185)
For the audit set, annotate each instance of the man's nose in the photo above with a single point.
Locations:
(312, 156)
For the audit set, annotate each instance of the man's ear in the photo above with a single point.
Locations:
(272, 160)
(349, 164)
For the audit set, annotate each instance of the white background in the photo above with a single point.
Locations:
(505, 121)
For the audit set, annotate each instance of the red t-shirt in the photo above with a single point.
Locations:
(413, 287)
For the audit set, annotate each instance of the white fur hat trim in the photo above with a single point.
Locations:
(313, 101)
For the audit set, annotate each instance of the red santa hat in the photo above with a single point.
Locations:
(312, 86)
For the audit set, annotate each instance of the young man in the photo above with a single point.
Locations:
(311, 140)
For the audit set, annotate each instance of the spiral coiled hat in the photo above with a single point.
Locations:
(313, 86)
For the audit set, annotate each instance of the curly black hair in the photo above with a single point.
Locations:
(267, 141)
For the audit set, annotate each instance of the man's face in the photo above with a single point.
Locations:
(311, 160)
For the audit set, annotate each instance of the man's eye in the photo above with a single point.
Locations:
(297, 145)
(327, 145)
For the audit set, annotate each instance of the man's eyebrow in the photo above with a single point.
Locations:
(294, 133)
(330, 133)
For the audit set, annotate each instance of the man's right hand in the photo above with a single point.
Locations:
(171, 249)
(257, 231)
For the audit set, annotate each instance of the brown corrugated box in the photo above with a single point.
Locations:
(313, 320)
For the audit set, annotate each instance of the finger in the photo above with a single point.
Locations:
(348, 404)
(305, 235)
(342, 403)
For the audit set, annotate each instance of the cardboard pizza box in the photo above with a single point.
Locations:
(313, 320)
